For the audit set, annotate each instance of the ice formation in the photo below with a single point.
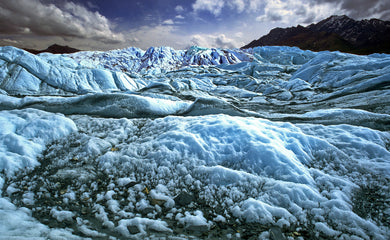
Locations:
(204, 143)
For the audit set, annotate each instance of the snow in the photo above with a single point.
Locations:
(142, 224)
(195, 221)
(24, 134)
(35, 75)
(194, 143)
(343, 73)
(239, 143)
(256, 211)
(62, 215)
(18, 222)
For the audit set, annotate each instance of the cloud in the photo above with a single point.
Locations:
(32, 17)
(168, 22)
(212, 6)
(39, 23)
(294, 12)
(160, 35)
(167, 35)
(92, 5)
(9, 41)
(216, 6)
(362, 8)
(179, 9)
(365, 8)
(307, 11)
(223, 42)
(239, 5)
(220, 41)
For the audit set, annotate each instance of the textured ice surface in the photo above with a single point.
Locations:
(23, 137)
(198, 143)
(24, 134)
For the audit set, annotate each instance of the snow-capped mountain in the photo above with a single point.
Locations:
(196, 143)
(334, 33)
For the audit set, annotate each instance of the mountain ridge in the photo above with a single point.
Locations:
(336, 33)
(55, 49)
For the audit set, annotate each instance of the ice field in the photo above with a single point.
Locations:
(264, 143)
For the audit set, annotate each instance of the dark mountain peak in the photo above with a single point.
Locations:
(57, 45)
(55, 49)
(338, 18)
(336, 32)
(335, 19)
(333, 22)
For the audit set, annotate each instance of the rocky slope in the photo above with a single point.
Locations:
(334, 33)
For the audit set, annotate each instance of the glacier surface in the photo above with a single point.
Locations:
(199, 143)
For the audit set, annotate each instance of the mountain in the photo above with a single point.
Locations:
(198, 143)
(336, 33)
(55, 49)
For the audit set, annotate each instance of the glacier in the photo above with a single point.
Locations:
(197, 143)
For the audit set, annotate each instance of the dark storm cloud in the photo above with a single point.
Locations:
(363, 8)
(273, 16)
(306, 10)
(32, 17)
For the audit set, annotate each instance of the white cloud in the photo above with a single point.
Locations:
(179, 9)
(255, 5)
(219, 41)
(294, 12)
(168, 22)
(213, 6)
(32, 17)
(223, 42)
(134, 40)
(216, 6)
(179, 17)
(239, 34)
(239, 5)
(167, 35)
(199, 40)
(7, 40)
(160, 35)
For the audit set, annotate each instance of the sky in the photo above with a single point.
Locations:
(113, 24)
